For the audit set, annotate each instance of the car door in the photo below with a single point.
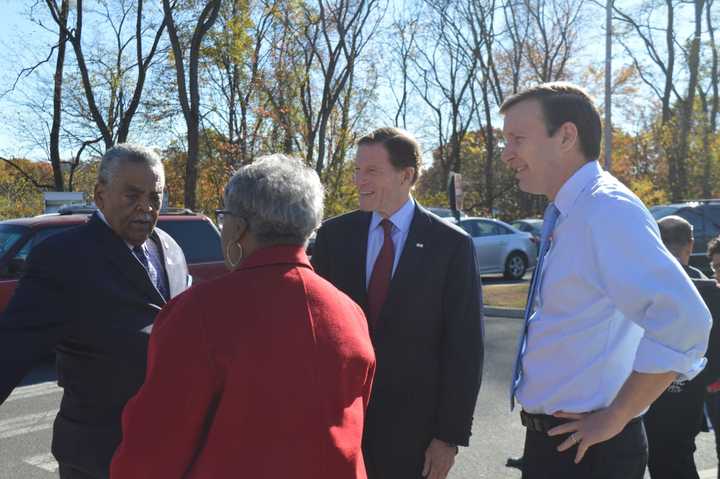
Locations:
(13, 267)
(497, 238)
(482, 233)
(201, 245)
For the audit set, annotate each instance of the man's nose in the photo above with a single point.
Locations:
(505, 153)
(144, 205)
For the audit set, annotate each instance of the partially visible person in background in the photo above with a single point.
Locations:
(712, 401)
(677, 236)
(265, 372)
(673, 421)
(713, 254)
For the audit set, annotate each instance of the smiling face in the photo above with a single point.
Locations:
(130, 201)
(535, 156)
(382, 187)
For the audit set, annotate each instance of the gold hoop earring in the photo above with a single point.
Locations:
(228, 255)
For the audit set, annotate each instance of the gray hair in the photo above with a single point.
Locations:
(676, 233)
(279, 197)
(127, 152)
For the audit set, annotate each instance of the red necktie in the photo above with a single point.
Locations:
(381, 275)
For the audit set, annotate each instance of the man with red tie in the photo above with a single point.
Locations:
(414, 275)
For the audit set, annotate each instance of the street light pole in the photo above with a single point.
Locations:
(608, 83)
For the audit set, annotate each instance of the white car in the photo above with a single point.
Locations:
(500, 248)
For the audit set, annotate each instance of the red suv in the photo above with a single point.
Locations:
(196, 234)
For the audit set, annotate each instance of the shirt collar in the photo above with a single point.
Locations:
(400, 220)
(276, 254)
(571, 189)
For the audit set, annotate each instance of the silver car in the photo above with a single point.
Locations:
(500, 248)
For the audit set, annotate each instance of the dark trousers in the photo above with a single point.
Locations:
(622, 457)
(70, 472)
(712, 401)
(672, 422)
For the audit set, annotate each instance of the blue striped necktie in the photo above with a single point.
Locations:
(142, 255)
(551, 216)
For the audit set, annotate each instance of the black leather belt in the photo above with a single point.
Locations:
(540, 422)
(545, 422)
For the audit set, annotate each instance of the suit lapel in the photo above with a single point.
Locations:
(176, 284)
(410, 265)
(359, 261)
(118, 253)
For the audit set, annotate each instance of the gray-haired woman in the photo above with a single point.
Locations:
(265, 372)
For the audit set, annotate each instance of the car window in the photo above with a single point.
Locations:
(486, 228)
(660, 212)
(198, 239)
(37, 238)
(470, 227)
(521, 226)
(501, 229)
(712, 221)
(694, 217)
(9, 236)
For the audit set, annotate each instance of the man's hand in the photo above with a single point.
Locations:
(439, 458)
(587, 430)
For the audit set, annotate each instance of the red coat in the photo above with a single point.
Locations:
(262, 373)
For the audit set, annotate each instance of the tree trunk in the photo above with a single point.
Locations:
(55, 159)
(687, 106)
(190, 105)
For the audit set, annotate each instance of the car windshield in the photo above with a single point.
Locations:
(9, 236)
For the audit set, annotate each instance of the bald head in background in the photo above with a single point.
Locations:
(677, 236)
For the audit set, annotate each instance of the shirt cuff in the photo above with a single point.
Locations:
(655, 358)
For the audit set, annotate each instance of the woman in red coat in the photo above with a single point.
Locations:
(264, 372)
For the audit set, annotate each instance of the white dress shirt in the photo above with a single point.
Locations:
(613, 300)
(401, 221)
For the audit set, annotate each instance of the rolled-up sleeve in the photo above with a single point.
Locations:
(648, 285)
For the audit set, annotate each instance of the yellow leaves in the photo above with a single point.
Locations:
(648, 192)
(18, 196)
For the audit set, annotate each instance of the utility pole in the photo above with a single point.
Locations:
(608, 83)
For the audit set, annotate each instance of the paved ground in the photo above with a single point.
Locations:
(26, 421)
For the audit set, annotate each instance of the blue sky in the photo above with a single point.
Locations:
(25, 43)
(22, 43)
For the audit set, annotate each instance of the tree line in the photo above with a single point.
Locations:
(213, 84)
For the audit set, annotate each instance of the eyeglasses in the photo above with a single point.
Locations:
(220, 216)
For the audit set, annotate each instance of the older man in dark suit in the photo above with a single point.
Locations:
(92, 294)
(415, 277)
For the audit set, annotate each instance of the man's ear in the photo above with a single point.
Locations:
(568, 134)
(98, 195)
(408, 175)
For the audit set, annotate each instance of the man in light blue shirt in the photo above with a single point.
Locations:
(612, 318)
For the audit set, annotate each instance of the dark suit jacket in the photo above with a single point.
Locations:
(693, 272)
(263, 373)
(85, 294)
(710, 293)
(675, 418)
(428, 342)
